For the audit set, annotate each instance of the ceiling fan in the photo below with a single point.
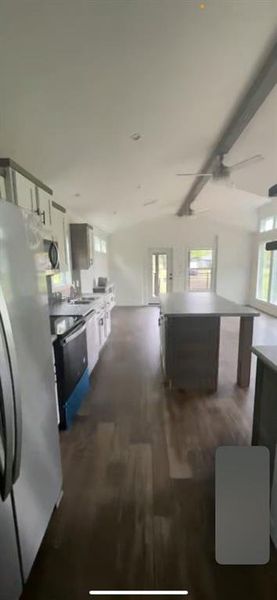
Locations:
(195, 213)
(222, 171)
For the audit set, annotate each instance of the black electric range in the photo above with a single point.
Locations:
(71, 361)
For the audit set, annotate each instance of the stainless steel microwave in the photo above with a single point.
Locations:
(49, 259)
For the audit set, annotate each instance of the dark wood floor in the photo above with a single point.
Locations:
(138, 464)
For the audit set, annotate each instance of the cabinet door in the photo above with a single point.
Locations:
(92, 342)
(101, 330)
(44, 206)
(25, 192)
(59, 234)
(108, 322)
(2, 188)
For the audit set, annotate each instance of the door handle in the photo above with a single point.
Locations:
(6, 410)
(76, 332)
(15, 403)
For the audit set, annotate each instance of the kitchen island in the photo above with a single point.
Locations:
(190, 333)
(265, 409)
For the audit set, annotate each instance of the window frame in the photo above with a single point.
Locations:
(100, 244)
(262, 247)
(213, 268)
(262, 220)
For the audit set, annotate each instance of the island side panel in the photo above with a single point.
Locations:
(265, 415)
(192, 352)
(244, 354)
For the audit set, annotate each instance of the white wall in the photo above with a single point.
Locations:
(129, 256)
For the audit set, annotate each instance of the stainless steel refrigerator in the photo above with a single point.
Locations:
(30, 467)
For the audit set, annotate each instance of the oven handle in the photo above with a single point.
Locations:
(75, 334)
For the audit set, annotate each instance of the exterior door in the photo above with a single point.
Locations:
(160, 273)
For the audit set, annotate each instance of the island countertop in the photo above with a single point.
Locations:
(267, 354)
(197, 304)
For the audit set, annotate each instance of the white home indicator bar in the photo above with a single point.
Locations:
(139, 593)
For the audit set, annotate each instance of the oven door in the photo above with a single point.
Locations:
(71, 360)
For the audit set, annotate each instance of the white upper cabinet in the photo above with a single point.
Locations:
(25, 192)
(59, 231)
(44, 203)
(2, 188)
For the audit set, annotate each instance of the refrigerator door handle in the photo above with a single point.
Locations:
(14, 377)
(7, 417)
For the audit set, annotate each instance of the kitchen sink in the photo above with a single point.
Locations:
(87, 300)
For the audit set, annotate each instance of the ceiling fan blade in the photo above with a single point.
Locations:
(242, 163)
(195, 213)
(201, 212)
(194, 174)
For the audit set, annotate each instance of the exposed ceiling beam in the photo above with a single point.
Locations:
(253, 98)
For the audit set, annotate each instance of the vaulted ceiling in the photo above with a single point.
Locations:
(77, 79)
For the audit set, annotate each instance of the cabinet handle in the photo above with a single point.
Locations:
(43, 217)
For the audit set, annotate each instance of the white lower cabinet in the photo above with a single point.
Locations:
(98, 331)
(101, 329)
(107, 323)
(92, 341)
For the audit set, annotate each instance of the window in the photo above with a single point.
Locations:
(273, 287)
(97, 244)
(267, 224)
(264, 269)
(103, 246)
(100, 245)
(200, 270)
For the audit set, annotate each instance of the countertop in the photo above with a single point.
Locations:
(65, 309)
(268, 354)
(197, 304)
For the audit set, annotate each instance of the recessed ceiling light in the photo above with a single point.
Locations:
(135, 136)
(150, 202)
